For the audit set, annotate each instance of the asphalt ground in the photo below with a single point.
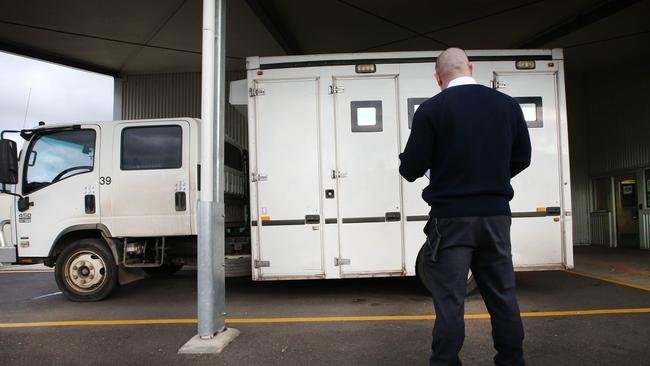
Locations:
(569, 320)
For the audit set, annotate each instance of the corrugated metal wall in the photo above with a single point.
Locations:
(579, 154)
(645, 233)
(177, 95)
(609, 128)
(601, 228)
(618, 111)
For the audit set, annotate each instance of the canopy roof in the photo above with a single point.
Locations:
(152, 36)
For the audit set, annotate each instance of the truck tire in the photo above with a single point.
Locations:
(166, 270)
(419, 273)
(85, 271)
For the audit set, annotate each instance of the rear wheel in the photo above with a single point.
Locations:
(86, 271)
(419, 272)
(166, 270)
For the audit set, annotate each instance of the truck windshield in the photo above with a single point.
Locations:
(58, 155)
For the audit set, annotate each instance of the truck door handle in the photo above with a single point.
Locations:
(180, 201)
(89, 203)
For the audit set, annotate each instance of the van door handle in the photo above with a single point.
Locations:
(393, 216)
(89, 203)
(180, 201)
(312, 219)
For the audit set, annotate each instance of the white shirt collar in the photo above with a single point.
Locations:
(463, 80)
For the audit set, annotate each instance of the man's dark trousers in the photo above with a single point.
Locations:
(454, 245)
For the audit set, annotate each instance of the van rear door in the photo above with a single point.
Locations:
(537, 223)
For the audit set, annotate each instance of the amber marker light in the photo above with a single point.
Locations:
(365, 68)
(525, 65)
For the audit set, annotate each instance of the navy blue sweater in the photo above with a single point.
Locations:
(473, 139)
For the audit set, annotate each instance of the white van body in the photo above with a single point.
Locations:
(327, 200)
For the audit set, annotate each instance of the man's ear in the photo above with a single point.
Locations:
(438, 79)
(471, 69)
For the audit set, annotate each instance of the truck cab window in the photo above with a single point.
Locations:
(58, 155)
(152, 147)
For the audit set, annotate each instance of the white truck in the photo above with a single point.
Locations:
(326, 198)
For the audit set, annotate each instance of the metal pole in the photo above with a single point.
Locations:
(210, 212)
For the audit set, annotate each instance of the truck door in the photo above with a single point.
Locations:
(146, 187)
(287, 179)
(60, 175)
(537, 222)
(369, 217)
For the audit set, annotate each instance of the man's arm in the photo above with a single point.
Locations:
(521, 149)
(417, 156)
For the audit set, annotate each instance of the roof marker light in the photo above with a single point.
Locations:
(365, 68)
(525, 65)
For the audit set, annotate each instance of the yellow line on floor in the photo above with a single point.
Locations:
(326, 319)
(606, 279)
(27, 271)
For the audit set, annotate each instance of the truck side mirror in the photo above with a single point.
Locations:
(8, 162)
(24, 204)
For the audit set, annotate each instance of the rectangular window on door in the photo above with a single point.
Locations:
(152, 147)
(602, 198)
(532, 109)
(413, 104)
(366, 116)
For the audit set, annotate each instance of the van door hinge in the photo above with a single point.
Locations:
(341, 261)
(336, 89)
(254, 92)
(258, 177)
(259, 264)
(496, 84)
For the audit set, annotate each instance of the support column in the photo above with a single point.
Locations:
(212, 335)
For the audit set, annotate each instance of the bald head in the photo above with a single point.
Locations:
(451, 64)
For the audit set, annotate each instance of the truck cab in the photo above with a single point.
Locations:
(94, 199)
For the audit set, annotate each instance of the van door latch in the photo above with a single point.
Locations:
(341, 261)
(259, 264)
(258, 177)
(496, 84)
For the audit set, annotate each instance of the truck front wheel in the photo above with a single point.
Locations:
(86, 271)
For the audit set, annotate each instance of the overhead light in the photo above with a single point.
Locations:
(525, 64)
(365, 68)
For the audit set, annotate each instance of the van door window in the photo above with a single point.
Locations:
(152, 147)
(58, 155)
(532, 108)
(413, 105)
(367, 116)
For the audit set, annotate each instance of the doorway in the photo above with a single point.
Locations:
(627, 211)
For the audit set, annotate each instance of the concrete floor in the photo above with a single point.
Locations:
(628, 265)
(562, 336)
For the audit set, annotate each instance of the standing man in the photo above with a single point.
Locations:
(473, 140)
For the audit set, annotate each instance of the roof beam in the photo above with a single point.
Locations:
(56, 58)
(268, 15)
(576, 22)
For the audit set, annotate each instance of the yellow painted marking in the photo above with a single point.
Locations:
(97, 322)
(331, 319)
(605, 279)
(28, 271)
(325, 319)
